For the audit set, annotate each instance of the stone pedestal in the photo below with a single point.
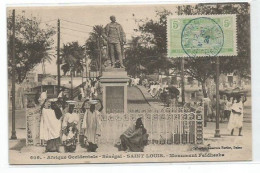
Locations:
(114, 85)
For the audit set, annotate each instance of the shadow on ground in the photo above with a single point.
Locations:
(19, 145)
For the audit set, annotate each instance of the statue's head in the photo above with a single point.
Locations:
(112, 18)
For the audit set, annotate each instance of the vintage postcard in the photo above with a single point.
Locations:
(129, 83)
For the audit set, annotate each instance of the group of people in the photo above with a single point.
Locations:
(134, 81)
(225, 106)
(168, 94)
(60, 126)
(230, 109)
(89, 90)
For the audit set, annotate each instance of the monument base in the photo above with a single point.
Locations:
(114, 85)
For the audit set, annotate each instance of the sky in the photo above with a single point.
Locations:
(74, 21)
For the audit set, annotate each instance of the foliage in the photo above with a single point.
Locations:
(32, 44)
(149, 50)
(94, 45)
(72, 55)
(154, 31)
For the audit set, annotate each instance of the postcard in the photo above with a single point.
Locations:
(129, 83)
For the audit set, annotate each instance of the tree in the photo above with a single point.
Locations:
(154, 31)
(203, 68)
(45, 59)
(94, 47)
(133, 55)
(150, 49)
(72, 55)
(32, 44)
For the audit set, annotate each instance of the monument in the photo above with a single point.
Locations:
(114, 80)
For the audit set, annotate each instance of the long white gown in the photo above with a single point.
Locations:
(236, 120)
(91, 125)
(50, 127)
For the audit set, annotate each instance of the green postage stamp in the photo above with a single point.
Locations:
(201, 35)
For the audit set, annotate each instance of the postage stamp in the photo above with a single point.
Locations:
(201, 35)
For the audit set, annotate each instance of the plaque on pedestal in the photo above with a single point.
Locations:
(114, 85)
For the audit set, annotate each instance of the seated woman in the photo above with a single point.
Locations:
(134, 139)
(50, 125)
(70, 128)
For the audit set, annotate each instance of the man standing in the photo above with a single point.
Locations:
(92, 125)
(115, 36)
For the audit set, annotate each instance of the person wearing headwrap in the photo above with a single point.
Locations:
(236, 116)
(92, 126)
(134, 139)
(70, 128)
(50, 125)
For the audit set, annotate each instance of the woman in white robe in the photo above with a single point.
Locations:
(236, 116)
(50, 127)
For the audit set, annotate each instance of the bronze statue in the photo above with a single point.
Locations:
(115, 36)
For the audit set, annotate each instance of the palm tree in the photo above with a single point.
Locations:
(47, 57)
(72, 55)
(94, 44)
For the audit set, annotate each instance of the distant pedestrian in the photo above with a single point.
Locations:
(36, 98)
(61, 94)
(81, 94)
(208, 107)
(213, 105)
(43, 97)
(227, 107)
(221, 109)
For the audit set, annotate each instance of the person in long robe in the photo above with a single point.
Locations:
(92, 126)
(43, 97)
(61, 94)
(236, 116)
(36, 98)
(134, 139)
(227, 108)
(208, 107)
(213, 105)
(50, 127)
(70, 128)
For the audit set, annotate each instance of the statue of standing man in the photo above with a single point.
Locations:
(116, 38)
